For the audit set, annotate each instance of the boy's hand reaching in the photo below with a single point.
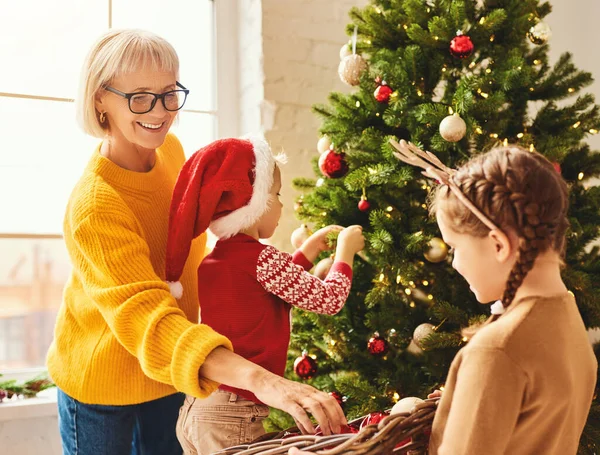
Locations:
(317, 242)
(351, 239)
(349, 242)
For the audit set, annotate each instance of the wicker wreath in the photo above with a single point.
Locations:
(412, 429)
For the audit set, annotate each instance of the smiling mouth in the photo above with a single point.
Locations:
(151, 126)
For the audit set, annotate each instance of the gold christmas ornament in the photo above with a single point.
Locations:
(406, 405)
(324, 144)
(540, 33)
(419, 295)
(453, 128)
(300, 235)
(421, 332)
(323, 267)
(351, 68)
(345, 51)
(437, 252)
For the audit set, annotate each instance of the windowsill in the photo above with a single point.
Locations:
(44, 405)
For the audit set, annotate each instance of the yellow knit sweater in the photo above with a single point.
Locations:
(120, 337)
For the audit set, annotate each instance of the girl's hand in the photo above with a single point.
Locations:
(317, 242)
(435, 394)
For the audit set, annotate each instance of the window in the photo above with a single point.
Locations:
(44, 152)
(33, 271)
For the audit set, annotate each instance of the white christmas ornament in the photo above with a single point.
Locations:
(351, 68)
(406, 405)
(414, 349)
(323, 267)
(300, 235)
(453, 128)
(345, 51)
(324, 144)
(421, 332)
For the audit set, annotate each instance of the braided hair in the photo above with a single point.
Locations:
(519, 191)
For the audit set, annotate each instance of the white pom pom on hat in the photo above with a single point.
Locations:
(176, 288)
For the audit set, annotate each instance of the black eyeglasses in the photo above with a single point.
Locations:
(142, 102)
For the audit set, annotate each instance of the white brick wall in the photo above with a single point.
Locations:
(300, 41)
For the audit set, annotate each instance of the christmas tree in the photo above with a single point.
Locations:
(456, 77)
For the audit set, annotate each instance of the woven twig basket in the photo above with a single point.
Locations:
(380, 439)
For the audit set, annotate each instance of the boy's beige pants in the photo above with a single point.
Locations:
(222, 420)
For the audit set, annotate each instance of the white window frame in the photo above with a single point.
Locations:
(227, 68)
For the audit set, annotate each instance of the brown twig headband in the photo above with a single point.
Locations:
(435, 169)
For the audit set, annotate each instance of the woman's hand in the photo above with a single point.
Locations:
(296, 399)
(226, 367)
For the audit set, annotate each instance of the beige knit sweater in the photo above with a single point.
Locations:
(523, 385)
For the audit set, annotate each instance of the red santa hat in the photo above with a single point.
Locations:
(224, 186)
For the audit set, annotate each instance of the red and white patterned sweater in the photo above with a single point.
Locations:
(246, 290)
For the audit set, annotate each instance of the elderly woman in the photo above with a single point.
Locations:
(124, 347)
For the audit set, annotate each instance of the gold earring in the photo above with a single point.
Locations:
(102, 117)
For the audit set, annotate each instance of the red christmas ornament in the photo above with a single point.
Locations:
(461, 46)
(373, 419)
(363, 204)
(338, 397)
(557, 167)
(403, 443)
(349, 429)
(383, 93)
(377, 345)
(305, 367)
(333, 164)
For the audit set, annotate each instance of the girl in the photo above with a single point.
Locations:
(524, 383)
(246, 288)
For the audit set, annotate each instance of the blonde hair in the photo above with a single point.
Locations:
(115, 53)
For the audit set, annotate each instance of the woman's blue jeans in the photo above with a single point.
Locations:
(140, 429)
